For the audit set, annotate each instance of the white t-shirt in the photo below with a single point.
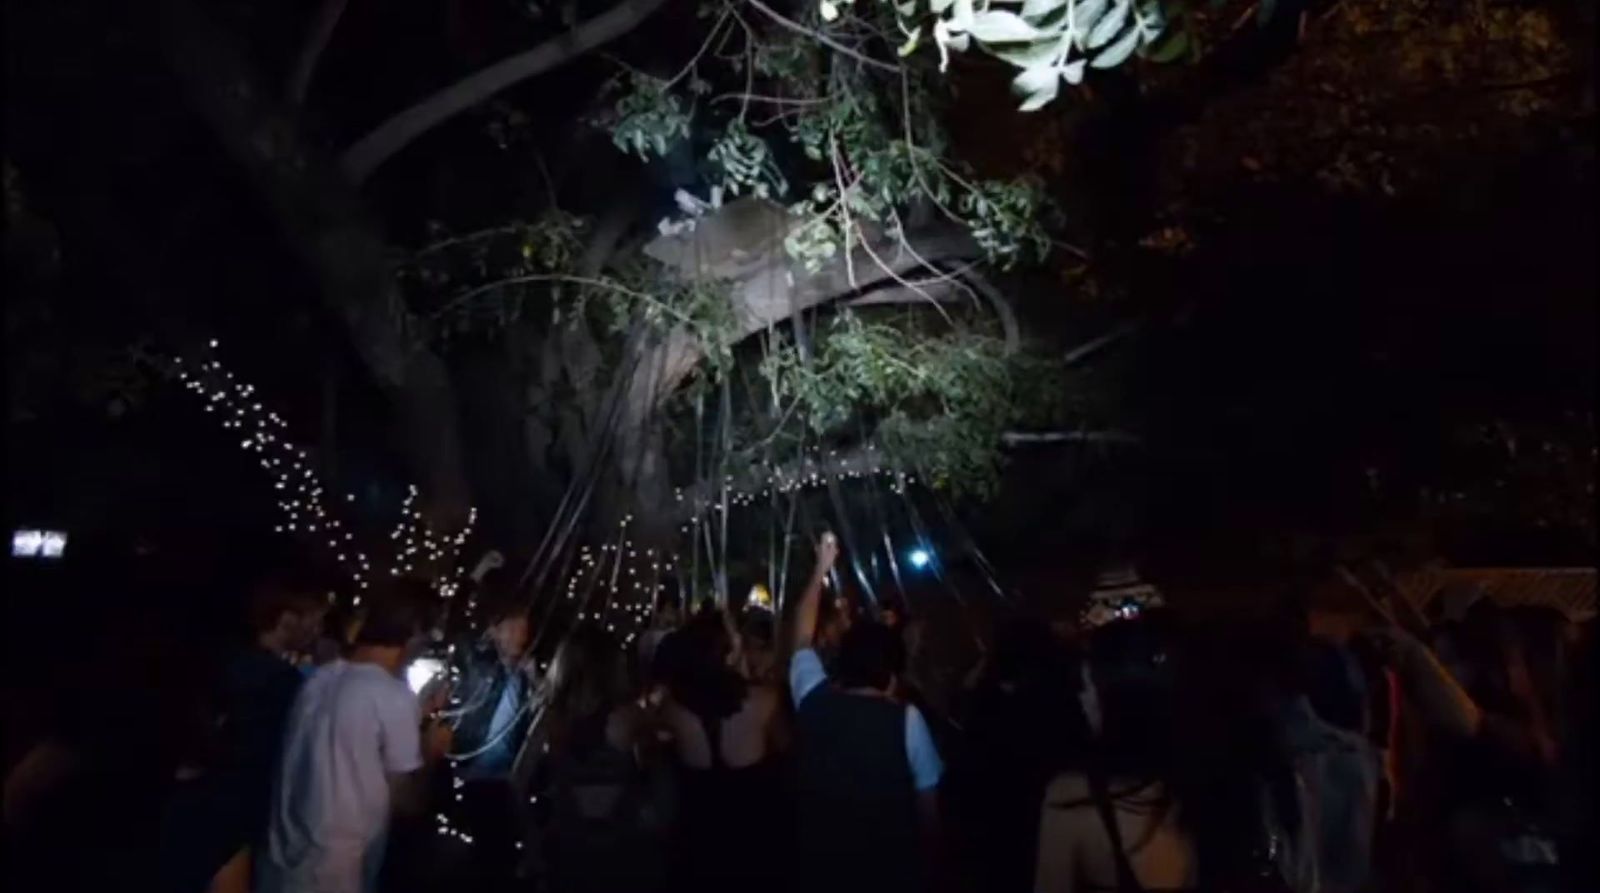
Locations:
(351, 727)
(806, 675)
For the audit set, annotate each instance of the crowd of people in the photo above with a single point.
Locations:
(1347, 743)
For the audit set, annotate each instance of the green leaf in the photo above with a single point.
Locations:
(1084, 15)
(999, 26)
(1041, 99)
(1037, 85)
(1118, 51)
(1171, 49)
(1109, 26)
(910, 46)
(1029, 55)
(1151, 21)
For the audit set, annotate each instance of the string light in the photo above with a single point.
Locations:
(298, 490)
(299, 494)
(808, 473)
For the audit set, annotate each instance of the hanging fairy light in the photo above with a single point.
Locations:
(615, 584)
(809, 473)
(303, 510)
(298, 491)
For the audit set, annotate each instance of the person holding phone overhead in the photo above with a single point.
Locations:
(867, 772)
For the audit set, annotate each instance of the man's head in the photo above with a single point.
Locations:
(286, 612)
(871, 655)
(511, 630)
(833, 621)
(394, 627)
(510, 624)
(891, 613)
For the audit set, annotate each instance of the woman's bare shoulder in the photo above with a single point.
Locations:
(764, 696)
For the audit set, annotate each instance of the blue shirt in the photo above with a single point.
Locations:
(497, 760)
(806, 675)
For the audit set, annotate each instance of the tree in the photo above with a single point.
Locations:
(839, 189)
(824, 123)
(743, 243)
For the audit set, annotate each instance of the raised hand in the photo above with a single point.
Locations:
(434, 695)
(492, 560)
(805, 616)
(827, 551)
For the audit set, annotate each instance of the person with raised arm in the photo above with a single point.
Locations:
(867, 772)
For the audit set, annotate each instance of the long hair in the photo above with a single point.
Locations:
(1172, 716)
(588, 675)
(1232, 776)
(1133, 665)
(699, 677)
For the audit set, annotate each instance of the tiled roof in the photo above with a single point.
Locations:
(1570, 589)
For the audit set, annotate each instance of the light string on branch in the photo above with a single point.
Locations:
(302, 499)
(808, 473)
(627, 580)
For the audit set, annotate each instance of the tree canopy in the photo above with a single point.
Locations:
(659, 258)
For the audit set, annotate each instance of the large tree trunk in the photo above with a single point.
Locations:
(742, 244)
(327, 225)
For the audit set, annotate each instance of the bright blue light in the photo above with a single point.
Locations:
(919, 558)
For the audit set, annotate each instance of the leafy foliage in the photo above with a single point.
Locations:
(1049, 40)
(649, 119)
(863, 150)
(1003, 216)
(940, 402)
(1381, 92)
(481, 280)
(744, 163)
(856, 144)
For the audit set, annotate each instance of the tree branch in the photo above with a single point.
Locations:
(372, 150)
(940, 292)
(327, 18)
(753, 480)
(750, 479)
(1002, 309)
(1090, 348)
(1021, 438)
(821, 38)
(944, 290)
(328, 227)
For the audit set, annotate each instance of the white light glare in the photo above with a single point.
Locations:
(38, 544)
